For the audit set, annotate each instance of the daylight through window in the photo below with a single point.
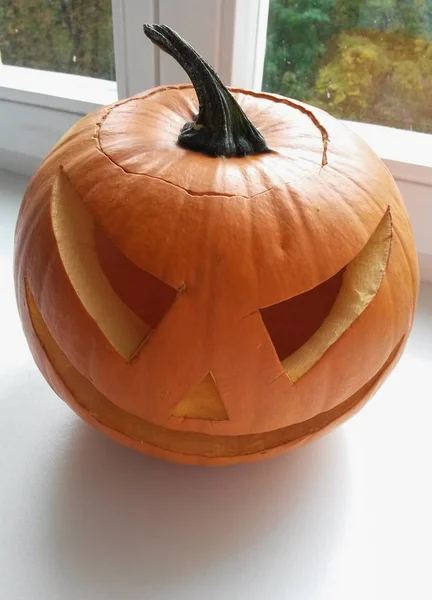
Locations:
(361, 60)
(67, 36)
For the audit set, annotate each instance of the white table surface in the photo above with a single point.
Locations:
(346, 518)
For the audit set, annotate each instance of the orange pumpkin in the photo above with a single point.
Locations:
(221, 296)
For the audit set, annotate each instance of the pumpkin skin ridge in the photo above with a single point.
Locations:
(246, 92)
(414, 278)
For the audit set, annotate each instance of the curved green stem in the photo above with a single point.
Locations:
(220, 128)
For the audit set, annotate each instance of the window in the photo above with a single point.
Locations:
(67, 36)
(56, 54)
(361, 60)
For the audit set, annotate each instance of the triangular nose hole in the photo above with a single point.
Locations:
(203, 402)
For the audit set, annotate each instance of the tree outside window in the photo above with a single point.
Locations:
(68, 36)
(362, 60)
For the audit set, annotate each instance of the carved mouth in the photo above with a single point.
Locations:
(129, 429)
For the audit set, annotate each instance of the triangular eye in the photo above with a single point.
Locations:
(304, 327)
(149, 297)
(204, 402)
(292, 322)
(125, 301)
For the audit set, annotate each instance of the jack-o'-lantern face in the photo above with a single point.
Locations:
(208, 326)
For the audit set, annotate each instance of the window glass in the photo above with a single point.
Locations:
(68, 36)
(362, 60)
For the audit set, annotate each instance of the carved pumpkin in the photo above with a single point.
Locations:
(221, 296)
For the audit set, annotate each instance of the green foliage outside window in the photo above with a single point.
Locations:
(69, 36)
(368, 60)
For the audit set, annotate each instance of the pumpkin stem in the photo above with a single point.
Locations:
(220, 128)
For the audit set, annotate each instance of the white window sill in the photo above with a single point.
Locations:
(408, 154)
(58, 91)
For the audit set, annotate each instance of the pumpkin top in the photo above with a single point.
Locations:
(266, 226)
(141, 134)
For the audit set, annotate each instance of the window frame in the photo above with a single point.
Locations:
(37, 108)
